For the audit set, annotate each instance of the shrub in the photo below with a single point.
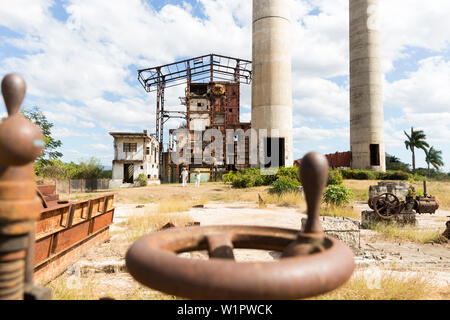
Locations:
(393, 175)
(142, 179)
(243, 181)
(268, 179)
(291, 173)
(255, 175)
(252, 177)
(284, 184)
(229, 177)
(337, 195)
(365, 175)
(335, 177)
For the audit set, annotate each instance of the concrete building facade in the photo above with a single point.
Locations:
(366, 94)
(134, 154)
(271, 77)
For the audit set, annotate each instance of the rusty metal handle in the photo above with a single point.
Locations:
(311, 264)
(21, 142)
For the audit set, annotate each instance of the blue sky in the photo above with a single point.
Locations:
(80, 57)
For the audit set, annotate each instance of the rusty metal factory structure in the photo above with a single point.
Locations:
(212, 100)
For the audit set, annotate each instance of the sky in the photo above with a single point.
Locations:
(80, 60)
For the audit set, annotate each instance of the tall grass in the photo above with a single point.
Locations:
(174, 205)
(65, 288)
(88, 287)
(409, 233)
(335, 211)
(285, 199)
(139, 225)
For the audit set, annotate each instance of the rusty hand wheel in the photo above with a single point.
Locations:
(386, 205)
(311, 264)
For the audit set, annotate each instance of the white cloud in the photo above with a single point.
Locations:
(72, 68)
(425, 90)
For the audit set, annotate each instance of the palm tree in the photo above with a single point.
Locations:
(433, 157)
(416, 140)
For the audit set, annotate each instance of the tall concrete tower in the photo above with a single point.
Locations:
(271, 83)
(366, 95)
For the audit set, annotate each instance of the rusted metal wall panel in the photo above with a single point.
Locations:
(52, 219)
(102, 221)
(335, 160)
(63, 227)
(339, 159)
(42, 249)
(47, 189)
(68, 237)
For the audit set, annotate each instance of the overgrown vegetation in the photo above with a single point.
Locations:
(409, 233)
(284, 184)
(372, 175)
(343, 211)
(252, 177)
(337, 195)
(335, 177)
(142, 180)
(87, 169)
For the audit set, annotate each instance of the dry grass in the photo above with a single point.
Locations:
(334, 211)
(139, 225)
(360, 188)
(174, 205)
(409, 233)
(286, 199)
(91, 287)
(391, 287)
(64, 288)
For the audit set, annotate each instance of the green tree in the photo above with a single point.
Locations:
(90, 169)
(415, 140)
(433, 157)
(394, 163)
(51, 144)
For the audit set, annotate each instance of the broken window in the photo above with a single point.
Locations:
(374, 154)
(129, 147)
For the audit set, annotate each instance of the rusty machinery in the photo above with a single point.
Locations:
(21, 142)
(311, 264)
(387, 205)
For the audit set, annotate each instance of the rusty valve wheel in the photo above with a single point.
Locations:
(386, 205)
(311, 263)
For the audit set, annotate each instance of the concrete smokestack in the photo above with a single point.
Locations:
(366, 96)
(271, 83)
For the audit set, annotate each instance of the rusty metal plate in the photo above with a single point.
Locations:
(102, 221)
(68, 237)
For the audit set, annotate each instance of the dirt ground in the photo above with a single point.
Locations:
(102, 270)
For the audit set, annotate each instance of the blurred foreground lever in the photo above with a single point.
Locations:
(21, 142)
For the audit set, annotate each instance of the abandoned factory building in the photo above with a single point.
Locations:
(134, 154)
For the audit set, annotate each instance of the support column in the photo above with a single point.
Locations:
(366, 95)
(271, 83)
